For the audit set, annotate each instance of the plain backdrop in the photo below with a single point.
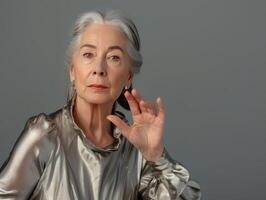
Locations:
(205, 58)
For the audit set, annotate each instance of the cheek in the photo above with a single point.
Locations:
(119, 78)
(118, 85)
(81, 74)
(79, 69)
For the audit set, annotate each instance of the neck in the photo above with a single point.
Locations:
(91, 118)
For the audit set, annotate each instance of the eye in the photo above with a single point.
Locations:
(115, 58)
(87, 55)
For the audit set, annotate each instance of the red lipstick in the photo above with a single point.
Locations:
(97, 86)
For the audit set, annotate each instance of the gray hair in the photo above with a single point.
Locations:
(126, 25)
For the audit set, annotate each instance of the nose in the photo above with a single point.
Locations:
(99, 67)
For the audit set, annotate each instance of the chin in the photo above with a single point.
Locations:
(98, 99)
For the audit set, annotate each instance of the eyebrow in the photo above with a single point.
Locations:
(110, 48)
(116, 47)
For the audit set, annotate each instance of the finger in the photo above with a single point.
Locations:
(133, 104)
(136, 95)
(146, 107)
(120, 124)
(161, 113)
(150, 108)
(142, 106)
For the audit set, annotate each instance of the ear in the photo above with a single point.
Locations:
(72, 73)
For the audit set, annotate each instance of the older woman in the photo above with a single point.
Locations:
(87, 149)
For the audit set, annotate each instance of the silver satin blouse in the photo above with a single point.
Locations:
(53, 160)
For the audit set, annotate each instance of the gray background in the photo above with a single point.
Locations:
(205, 58)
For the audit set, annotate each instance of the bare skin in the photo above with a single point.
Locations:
(102, 58)
(95, 61)
(146, 132)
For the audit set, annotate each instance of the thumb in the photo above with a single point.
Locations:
(120, 124)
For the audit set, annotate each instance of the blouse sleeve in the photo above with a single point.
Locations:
(167, 179)
(24, 166)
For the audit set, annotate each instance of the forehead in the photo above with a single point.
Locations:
(103, 35)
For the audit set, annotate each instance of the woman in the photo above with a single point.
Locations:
(87, 149)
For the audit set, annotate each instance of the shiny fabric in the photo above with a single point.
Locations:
(52, 159)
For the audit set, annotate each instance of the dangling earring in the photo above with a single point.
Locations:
(126, 87)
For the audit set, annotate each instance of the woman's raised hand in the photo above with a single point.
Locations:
(146, 132)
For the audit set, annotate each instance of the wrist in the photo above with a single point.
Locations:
(155, 155)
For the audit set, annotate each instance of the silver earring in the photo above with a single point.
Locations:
(126, 87)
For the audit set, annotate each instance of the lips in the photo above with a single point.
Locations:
(97, 86)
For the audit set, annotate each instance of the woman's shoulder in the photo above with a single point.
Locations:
(33, 147)
(42, 123)
(38, 137)
(40, 126)
(35, 130)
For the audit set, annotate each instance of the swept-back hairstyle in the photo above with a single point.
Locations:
(114, 18)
